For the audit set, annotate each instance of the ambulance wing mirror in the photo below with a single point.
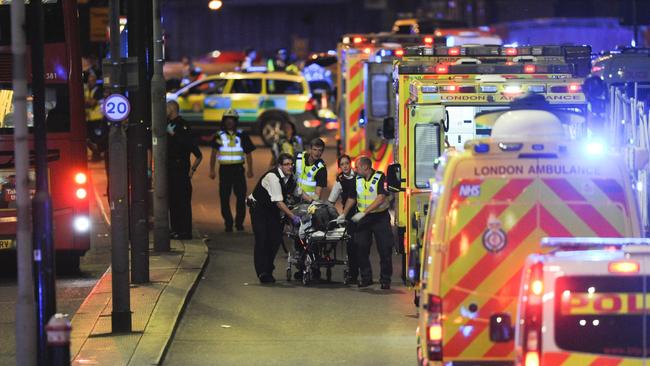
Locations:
(394, 177)
(595, 90)
(388, 129)
(501, 329)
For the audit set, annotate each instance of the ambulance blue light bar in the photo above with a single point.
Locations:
(481, 148)
(591, 242)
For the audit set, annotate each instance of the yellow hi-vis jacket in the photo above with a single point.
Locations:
(367, 192)
(230, 149)
(92, 113)
(306, 174)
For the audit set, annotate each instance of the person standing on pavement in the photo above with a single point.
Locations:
(289, 142)
(266, 205)
(179, 147)
(232, 147)
(311, 171)
(96, 130)
(344, 188)
(371, 199)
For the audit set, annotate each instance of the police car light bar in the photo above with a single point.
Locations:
(581, 242)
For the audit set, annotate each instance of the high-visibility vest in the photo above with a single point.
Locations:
(367, 192)
(306, 174)
(230, 150)
(92, 113)
(290, 147)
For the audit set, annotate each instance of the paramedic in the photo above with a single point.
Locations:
(311, 171)
(343, 188)
(266, 204)
(370, 196)
(232, 145)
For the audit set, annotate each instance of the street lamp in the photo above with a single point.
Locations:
(215, 4)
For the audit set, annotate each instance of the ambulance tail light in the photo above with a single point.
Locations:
(574, 88)
(532, 315)
(442, 69)
(434, 328)
(454, 51)
(623, 267)
(529, 69)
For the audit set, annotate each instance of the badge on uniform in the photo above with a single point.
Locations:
(494, 238)
(372, 189)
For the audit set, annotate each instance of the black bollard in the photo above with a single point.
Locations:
(58, 339)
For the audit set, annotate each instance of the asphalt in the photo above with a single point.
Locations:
(156, 308)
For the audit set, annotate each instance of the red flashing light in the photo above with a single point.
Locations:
(442, 69)
(511, 51)
(428, 40)
(455, 51)
(623, 267)
(529, 69)
(399, 53)
(573, 88)
(310, 105)
(357, 40)
(450, 88)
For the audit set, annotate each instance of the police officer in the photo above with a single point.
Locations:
(267, 203)
(179, 173)
(311, 171)
(288, 143)
(371, 199)
(232, 146)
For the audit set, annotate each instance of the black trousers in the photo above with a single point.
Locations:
(267, 229)
(231, 178)
(352, 250)
(377, 225)
(180, 196)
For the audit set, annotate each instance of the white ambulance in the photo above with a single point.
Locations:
(585, 303)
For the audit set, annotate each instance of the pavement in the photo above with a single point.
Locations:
(156, 309)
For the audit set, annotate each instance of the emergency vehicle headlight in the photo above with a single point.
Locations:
(537, 88)
(512, 89)
(81, 223)
(481, 148)
(595, 148)
(488, 88)
(346, 40)
(429, 89)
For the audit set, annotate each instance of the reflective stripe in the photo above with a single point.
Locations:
(230, 150)
(306, 174)
(367, 192)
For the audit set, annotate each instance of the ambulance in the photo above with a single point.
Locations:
(489, 207)
(585, 303)
(440, 91)
(365, 93)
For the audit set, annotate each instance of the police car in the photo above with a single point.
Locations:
(585, 303)
(263, 100)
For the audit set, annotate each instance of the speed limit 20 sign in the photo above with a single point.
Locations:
(116, 107)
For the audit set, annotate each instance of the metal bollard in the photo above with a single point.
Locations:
(58, 339)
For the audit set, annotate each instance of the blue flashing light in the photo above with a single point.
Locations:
(378, 59)
(451, 41)
(538, 147)
(411, 273)
(481, 148)
(537, 88)
(362, 122)
(595, 148)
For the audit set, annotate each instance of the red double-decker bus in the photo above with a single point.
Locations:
(66, 132)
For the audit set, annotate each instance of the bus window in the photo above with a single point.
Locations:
(57, 111)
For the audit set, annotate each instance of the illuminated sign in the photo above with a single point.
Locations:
(607, 303)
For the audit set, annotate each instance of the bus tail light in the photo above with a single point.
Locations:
(532, 315)
(80, 178)
(623, 267)
(81, 223)
(81, 193)
(434, 328)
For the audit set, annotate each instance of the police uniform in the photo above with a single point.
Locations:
(232, 147)
(179, 147)
(344, 187)
(310, 176)
(273, 187)
(96, 129)
(377, 224)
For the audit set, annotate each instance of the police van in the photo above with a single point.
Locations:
(489, 208)
(585, 303)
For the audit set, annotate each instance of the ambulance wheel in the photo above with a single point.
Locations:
(328, 274)
(289, 274)
(270, 128)
(306, 278)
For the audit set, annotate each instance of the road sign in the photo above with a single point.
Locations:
(116, 107)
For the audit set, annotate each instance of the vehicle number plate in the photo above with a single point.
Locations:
(6, 244)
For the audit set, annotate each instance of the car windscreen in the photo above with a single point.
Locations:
(57, 110)
(276, 86)
(601, 314)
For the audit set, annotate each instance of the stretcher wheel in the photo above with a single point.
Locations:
(328, 274)
(306, 278)
(289, 274)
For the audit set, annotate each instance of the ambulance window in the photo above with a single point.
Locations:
(379, 95)
(283, 87)
(247, 86)
(427, 149)
(600, 314)
(209, 87)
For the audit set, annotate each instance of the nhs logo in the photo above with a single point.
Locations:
(469, 190)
